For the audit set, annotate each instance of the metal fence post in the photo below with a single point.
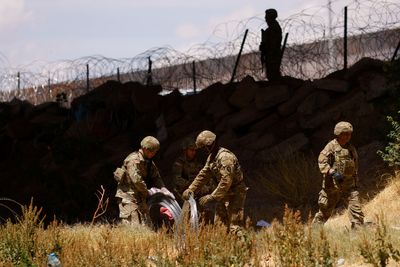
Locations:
(238, 57)
(395, 52)
(149, 78)
(19, 80)
(194, 77)
(345, 40)
(87, 77)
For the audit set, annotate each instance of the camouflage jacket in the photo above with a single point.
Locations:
(224, 169)
(184, 172)
(140, 175)
(341, 159)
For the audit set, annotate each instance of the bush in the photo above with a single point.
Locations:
(293, 178)
(391, 154)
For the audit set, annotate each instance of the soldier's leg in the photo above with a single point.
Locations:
(273, 69)
(221, 213)
(128, 212)
(327, 201)
(143, 213)
(236, 213)
(356, 215)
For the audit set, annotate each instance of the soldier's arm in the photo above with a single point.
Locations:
(201, 179)
(179, 182)
(135, 176)
(324, 159)
(226, 172)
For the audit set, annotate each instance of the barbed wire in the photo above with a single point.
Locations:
(313, 50)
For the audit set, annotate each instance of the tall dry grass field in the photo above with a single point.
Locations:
(290, 241)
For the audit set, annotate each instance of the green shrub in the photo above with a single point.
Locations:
(391, 154)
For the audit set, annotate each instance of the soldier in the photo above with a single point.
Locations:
(137, 175)
(230, 193)
(338, 163)
(185, 168)
(270, 46)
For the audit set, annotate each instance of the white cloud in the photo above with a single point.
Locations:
(12, 14)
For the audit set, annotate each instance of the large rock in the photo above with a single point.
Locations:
(286, 147)
(265, 123)
(373, 84)
(332, 85)
(263, 141)
(244, 117)
(219, 108)
(244, 93)
(271, 96)
(362, 65)
(313, 102)
(333, 111)
(291, 105)
(146, 99)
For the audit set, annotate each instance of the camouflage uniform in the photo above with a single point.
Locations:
(230, 194)
(139, 175)
(184, 172)
(344, 160)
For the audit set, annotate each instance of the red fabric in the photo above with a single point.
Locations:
(166, 213)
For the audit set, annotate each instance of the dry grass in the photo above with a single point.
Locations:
(27, 242)
(291, 178)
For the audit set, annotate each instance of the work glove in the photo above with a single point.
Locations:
(166, 192)
(338, 178)
(205, 199)
(187, 193)
(152, 191)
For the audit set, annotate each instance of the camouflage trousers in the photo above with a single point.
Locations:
(230, 210)
(330, 197)
(133, 213)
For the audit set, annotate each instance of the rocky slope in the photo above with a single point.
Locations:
(61, 156)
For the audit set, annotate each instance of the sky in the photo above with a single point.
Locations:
(57, 30)
(52, 30)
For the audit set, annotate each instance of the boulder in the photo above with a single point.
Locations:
(373, 84)
(244, 93)
(290, 106)
(270, 96)
(332, 85)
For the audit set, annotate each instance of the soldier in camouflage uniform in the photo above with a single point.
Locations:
(135, 177)
(223, 167)
(185, 169)
(338, 163)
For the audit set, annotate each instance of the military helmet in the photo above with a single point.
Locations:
(150, 143)
(343, 127)
(188, 143)
(205, 138)
(271, 13)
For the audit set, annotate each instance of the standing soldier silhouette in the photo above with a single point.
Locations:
(270, 46)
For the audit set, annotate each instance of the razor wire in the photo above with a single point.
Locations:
(314, 49)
